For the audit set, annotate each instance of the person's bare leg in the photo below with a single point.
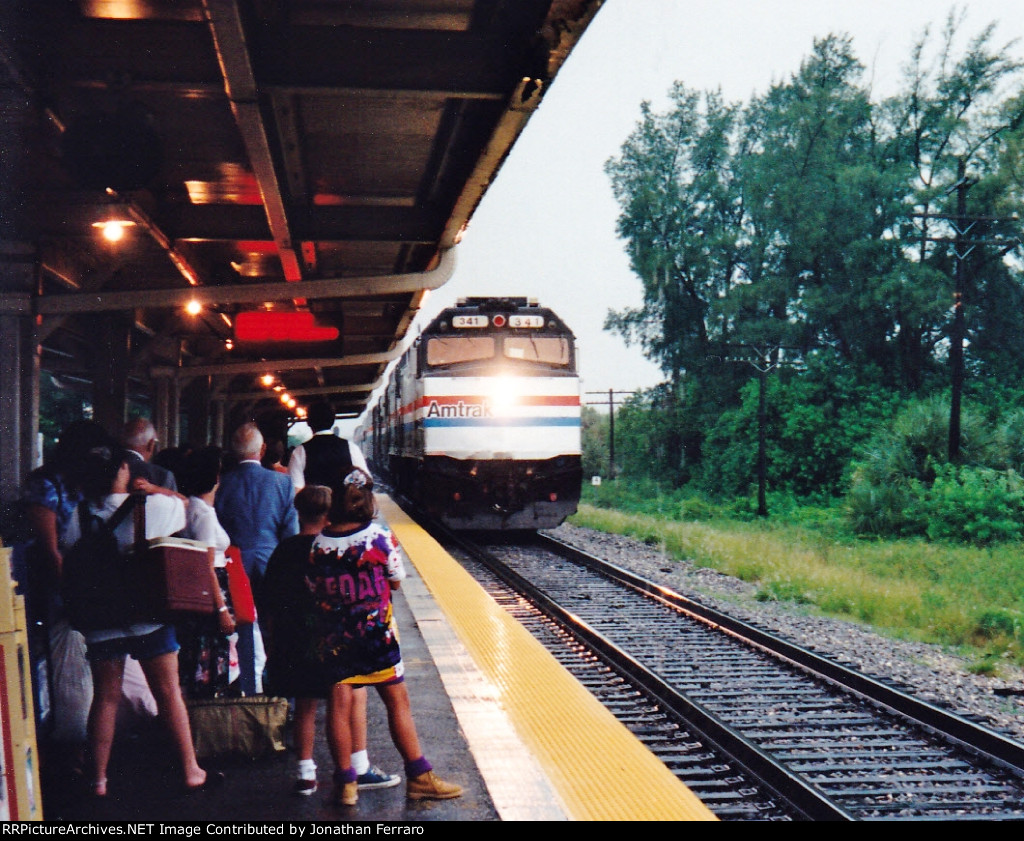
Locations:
(400, 722)
(421, 782)
(339, 738)
(305, 726)
(358, 719)
(339, 725)
(106, 696)
(162, 676)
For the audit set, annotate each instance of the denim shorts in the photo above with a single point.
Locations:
(161, 641)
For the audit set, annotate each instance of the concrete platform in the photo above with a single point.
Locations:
(144, 784)
(494, 710)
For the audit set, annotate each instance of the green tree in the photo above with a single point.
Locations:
(682, 217)
(815, 221)
(951, 117)
(594, 435)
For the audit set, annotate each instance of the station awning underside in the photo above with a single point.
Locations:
(311, 156)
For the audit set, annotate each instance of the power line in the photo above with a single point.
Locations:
(611, 402)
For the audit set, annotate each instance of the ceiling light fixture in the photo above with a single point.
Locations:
(113, 229)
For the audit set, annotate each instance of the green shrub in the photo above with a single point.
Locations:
(995, 623)
(970, 504)
(903, 485)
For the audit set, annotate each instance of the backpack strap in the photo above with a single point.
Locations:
(123, 510)
(85, 516)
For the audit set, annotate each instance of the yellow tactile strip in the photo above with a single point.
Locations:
(600, 770)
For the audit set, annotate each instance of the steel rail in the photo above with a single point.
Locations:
(967, 734)
(811, 803)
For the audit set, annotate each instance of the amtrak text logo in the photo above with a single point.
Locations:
(459, 410)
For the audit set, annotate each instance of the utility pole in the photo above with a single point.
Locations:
(959, 333)
(963, 247)
(612, 403)
(764, 359)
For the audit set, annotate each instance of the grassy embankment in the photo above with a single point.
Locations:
(967, 597)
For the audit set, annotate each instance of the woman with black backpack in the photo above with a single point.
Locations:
(153, 644)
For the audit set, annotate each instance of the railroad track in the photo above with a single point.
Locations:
(771, 730)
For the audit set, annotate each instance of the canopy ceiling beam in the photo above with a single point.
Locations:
(228, 368)
(433, 63)
(351, 388)
(237, 293)
(240, 83)
(362, 221)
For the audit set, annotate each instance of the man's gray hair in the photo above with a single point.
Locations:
(138, 432)
(247, 441)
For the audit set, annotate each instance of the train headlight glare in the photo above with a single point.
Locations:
(503, 394)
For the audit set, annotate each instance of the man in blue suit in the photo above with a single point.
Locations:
(254, 505)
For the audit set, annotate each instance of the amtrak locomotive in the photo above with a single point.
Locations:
(480, 422)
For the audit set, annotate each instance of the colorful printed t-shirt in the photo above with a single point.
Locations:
(348, 577)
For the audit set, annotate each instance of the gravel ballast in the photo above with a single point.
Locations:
(927, 671)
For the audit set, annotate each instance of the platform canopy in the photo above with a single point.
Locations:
(301, 169)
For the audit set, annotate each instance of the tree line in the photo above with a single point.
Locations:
(812, 242)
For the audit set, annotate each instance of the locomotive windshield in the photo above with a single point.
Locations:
(549, 350)
(454, 349)
(543, 351)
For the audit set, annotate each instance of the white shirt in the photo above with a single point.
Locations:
(297, 461)
(201, 524)
(165, 515)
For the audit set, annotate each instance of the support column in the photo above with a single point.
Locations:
(174, 414)
(12, 463)
(19, 404)
(31, 444)
(19, 371)
(217, 432)
(110, 372)
(197, 409)
(162, 397)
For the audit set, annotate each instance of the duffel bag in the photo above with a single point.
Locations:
(238, 728)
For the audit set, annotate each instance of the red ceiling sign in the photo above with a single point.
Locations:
(281, 327)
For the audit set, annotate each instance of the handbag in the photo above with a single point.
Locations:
(237, 728)
(173, 576)
(239, 588)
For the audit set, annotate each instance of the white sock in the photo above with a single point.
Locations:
(307, 769)
(361, 762)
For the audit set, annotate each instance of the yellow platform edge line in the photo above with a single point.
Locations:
(600, 770)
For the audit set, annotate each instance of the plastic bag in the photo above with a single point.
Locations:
(72, 683)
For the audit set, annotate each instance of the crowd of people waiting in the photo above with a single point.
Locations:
(321, 568)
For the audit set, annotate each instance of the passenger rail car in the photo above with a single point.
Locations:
(480, 422)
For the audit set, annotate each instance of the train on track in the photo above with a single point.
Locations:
(480, 422)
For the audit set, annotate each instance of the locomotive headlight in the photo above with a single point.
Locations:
(503, 393)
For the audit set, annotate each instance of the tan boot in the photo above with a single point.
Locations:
(346, 794)
(429, 786)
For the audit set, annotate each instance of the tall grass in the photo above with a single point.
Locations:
(911, 588)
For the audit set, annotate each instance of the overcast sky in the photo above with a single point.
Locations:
(546, 227)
